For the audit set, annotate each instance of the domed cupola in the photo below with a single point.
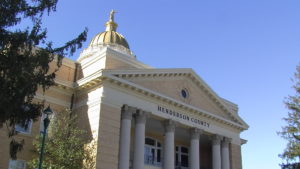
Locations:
(110, 36)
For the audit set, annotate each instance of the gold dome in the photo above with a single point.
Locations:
(110, 36)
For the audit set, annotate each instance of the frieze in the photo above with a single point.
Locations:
(183, 116)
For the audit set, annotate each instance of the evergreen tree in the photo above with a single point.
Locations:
(65, 147)
(24, 62)
(291, 132)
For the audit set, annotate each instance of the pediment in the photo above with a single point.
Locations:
(183, 85)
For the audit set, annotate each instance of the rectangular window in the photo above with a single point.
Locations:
(17, 164)
(149, 156)
(184, 160)
(24, 129)
(182, 157)
(153, 150)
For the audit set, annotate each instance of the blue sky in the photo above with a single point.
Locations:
(247, 51)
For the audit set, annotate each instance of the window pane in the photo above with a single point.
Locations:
(147, 155)
(150, 141)
(24, 129)
(158, 156)
(158, 144)
(176, 159)
(184, 161)
(152, 155)
(176, 148)
(184, 150)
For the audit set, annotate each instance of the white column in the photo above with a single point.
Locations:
(225, 153)
(124, 150)
(216, 152)
(169, 155)
(194, 148)
(139, 139)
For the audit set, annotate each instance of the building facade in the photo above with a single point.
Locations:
(141, 117)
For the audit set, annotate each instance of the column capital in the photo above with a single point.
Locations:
(216, 139)
(141, 116)
(127, 112)
(195, 133)
(169, 125)
(227, 140)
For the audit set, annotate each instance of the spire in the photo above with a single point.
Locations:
(111, 25)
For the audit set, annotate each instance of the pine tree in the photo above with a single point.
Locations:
(24, 62)
(65, 146)
(291, 132)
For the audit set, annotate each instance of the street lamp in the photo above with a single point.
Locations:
(48, 112)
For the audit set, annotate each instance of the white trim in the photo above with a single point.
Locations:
(89, 78)
(60, 90)
(66, 83)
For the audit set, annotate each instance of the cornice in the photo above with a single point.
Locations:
(89, 81)
(63, 84)
(53, 100)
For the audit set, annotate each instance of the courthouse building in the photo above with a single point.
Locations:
(140, 116)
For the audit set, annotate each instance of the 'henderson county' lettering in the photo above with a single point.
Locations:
(182, 116)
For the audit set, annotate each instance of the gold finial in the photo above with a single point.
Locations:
(111, 16)
(111, 25)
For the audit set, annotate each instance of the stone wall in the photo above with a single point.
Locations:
(235, 156)
(108, 138)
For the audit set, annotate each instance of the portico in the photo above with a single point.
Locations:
(173, 136)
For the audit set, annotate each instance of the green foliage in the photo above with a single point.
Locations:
(24, 63)
(291, 132)
(65, 147)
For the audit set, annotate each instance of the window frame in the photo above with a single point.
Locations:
(180, 153)
(155, 148)
(20, 129)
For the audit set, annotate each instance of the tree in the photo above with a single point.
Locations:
(291, 132)
(65, 146)
(24, 62)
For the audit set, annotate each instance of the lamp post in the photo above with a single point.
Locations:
(48, 112)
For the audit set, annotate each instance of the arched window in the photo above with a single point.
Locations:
(153, 152)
